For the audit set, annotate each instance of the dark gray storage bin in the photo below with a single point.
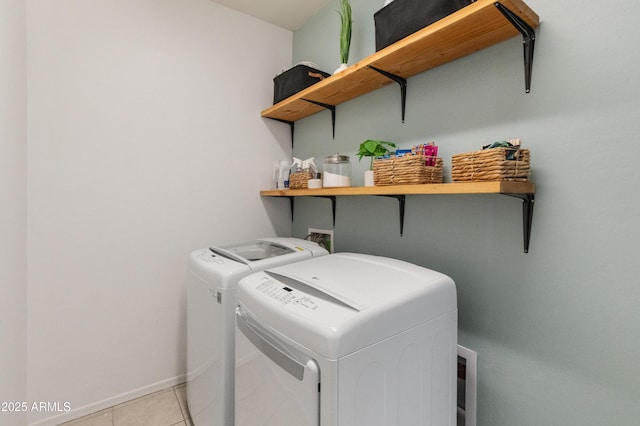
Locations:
(294, 80)
(401, 18)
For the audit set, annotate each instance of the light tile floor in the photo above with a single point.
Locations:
(163, 408)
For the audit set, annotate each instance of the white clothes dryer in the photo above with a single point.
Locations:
(347, 340)
(213, 277)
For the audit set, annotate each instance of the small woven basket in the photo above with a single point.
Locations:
(491, 165)
(299, 180)
(409, 169)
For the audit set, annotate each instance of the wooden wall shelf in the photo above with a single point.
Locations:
(522, 190)
(470, 29)
(497, 187)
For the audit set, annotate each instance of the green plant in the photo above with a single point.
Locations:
(374, 148)
(345, 30)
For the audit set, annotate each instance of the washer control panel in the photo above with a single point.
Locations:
(207, 256)
(286, 295)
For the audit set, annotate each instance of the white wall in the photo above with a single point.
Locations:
(13, 173)
(145, 142)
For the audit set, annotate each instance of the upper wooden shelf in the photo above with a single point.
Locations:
(494, 187)
(470, 29)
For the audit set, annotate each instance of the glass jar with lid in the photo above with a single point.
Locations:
(336, 171)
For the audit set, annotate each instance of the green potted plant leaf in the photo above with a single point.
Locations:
(373, 148)
(345, 33)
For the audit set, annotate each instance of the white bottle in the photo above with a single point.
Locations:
(283, 175)
(275, 172)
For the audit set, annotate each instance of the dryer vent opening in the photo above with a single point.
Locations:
(467, 384)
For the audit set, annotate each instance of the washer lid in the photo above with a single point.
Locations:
(340, 303)
(360, 281)
(252, 251)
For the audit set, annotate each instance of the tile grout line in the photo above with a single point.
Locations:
(175, 393)
(184, 417)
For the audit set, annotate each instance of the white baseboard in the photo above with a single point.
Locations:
(85, 410)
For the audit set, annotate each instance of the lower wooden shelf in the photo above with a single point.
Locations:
(496, 187)
(523, 190)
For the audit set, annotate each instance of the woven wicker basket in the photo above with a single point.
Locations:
(300, 180)
(409, 169)
(490, 165)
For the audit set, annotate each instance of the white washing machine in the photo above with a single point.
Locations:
(213, 276)
(347, 340)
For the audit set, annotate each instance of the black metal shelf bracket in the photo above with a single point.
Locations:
(291, 205)
(333, 205)
(330, 197)
(290, 123)
(528, 200)
(331, 108)
(528, 41)
(403, 86)
(401, 202)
